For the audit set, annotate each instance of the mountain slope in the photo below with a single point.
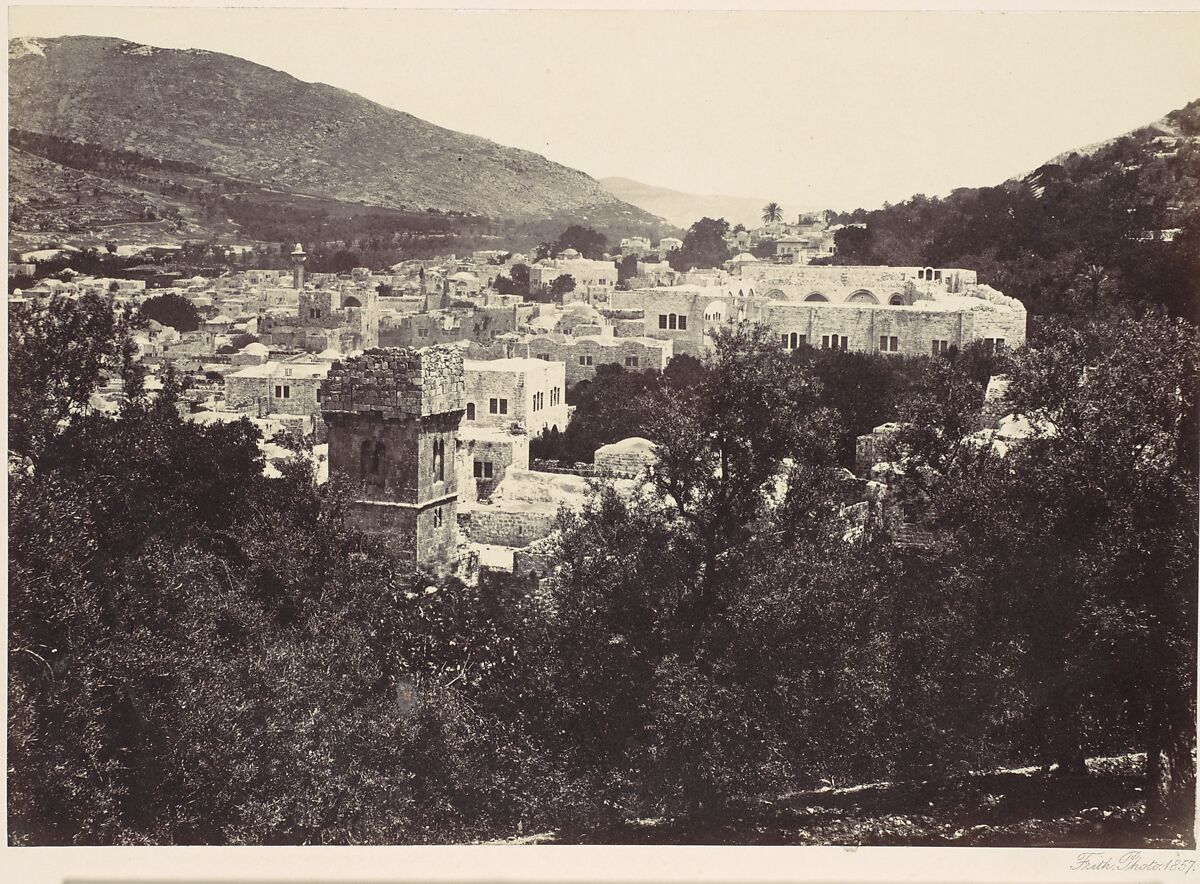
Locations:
(683, 209)
(251, 122)
(1111, 227)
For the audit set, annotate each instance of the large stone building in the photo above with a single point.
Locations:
(279, 388)
(328, 318)
(595, 281)
(393, 420)
(908, 310)
(501, 392)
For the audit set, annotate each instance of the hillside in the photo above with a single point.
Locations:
(238, 120)
(1111, 226)
(682, 209)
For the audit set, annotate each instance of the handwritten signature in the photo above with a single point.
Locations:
(1129, 861)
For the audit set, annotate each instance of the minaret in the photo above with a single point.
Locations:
(393, 418)
(298, 258)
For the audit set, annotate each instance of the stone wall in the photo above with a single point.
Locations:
(509, 527)
(519, 382)
(393, 419)
(501, 450)
(581, 356)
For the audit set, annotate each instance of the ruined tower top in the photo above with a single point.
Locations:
(396, 383)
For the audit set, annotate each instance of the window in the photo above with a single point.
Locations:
(493, 406)
(631, 361)
(889, 344)
(504, 406)
(940, 347)
(470, 411)
(545, 356)
(920, 274)
(422, 333)
(662, 320)
(937, 275)
(439, 460)
(672, 319)
(318, 394)
(824, 342)
(999, 343)
(437, 517)
(783, 340)
(585, 360)
(483, 469)
(682, 323)
(283, 391)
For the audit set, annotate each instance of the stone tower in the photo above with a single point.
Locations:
(298, 258)
(393, 426)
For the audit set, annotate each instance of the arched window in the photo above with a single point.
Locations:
(470, 411)
(862, 296)
(351, 302)
(794, 340)
(439, 460)
(379, 462)
(816, 296)
(364, 458)
(671, 320)
(896, 300)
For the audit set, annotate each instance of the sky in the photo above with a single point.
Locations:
(813, 110)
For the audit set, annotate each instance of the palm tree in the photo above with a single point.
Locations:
(772, 212)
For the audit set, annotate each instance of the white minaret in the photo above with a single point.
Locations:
(298, 258)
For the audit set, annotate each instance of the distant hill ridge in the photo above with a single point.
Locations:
(252, 122)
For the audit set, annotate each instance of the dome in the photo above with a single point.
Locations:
(743, 258)
(219, 318)
(463, 276)
(256, 349)
(569, 254)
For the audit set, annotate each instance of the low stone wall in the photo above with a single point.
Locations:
(509, 527)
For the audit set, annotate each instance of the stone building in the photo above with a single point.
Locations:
(629, 457)
(479, 324)
(393, 419)
(529, 392)
(279, 388)
(583, 354)
(326, 318)
(911, 311)
(484, 456)
(594, 280)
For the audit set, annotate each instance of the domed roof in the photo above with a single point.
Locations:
(743, 258)
(463, 276)
(256, 349)
(219, 318)
(568, 253)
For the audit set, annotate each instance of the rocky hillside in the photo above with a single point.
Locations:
(246, 121)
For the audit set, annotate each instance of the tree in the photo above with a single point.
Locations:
(1082, 539)
(772, 213)
(627, 268)
(516, 283)
(562, 285)
(703, 246)
(173, 310)
(588, 242)
(57, 353)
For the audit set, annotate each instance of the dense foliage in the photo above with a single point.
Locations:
(703, 246)
(201, 654)
(173, 310)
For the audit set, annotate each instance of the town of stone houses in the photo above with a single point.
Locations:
(488, 503)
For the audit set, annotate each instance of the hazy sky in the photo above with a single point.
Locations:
(811, 109)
